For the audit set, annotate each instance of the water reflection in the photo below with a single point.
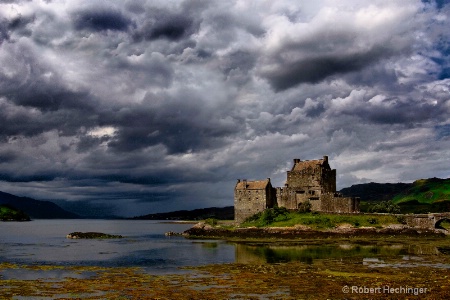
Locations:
(44, 275)
(308, 253)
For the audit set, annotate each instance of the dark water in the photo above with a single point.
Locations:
(44, 242)
(144, 245)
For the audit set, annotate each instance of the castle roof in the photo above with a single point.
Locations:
(252, 185)
(303, 165)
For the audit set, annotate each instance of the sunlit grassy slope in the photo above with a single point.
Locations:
(426, 191)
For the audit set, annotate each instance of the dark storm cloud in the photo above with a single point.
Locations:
(173, 28)
(151, 69)
(17, 23)
(315, 69)
(4, 35)
(7, 157)
(41, 177)
(99, 19)
(162, 24)
(395, 111)
(37, 85)
(182, 123)
(143, 106)
(239, 60)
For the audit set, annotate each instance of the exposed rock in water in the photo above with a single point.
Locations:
(171, 233)
(92, 235)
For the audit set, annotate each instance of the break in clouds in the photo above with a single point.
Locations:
(144, 106)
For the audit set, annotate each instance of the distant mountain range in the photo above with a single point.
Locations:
(375, 191)
(36, 209)
(220, 213)
(424, 195)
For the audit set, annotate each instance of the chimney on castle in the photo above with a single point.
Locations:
(325, 158)
(296, 160)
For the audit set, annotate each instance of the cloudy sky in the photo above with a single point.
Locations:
(136, 106)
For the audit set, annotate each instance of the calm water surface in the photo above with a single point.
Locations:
(145, 245)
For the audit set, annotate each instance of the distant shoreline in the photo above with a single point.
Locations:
(175, 222)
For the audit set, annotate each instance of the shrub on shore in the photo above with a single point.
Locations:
(384, 207)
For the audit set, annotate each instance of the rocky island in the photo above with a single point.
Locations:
(92, 235)
(300, 232)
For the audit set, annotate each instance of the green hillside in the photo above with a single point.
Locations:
(8, 213)
(425, 191)
(421, 196)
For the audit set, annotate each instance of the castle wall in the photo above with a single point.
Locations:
(316, 205)
(249, 201)
(332, 202)
(327, 203)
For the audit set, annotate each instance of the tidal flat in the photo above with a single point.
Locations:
(409, 268)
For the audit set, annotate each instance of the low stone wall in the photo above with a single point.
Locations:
(420, 221)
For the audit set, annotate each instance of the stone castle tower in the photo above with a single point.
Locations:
(310, 181)
(307, 181)
(251, 197)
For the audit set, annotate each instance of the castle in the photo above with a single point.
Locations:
(310, 180)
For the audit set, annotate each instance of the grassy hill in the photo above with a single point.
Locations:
(425, 191)
(421, 196)
(9, 213)
(425, 195)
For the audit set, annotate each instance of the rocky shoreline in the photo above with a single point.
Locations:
(202, 230)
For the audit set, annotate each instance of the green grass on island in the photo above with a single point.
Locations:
(281, 217)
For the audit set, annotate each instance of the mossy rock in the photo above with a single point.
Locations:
(92, 235)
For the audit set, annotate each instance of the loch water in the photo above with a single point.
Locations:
(44, 242)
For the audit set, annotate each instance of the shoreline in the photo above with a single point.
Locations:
(205, 231)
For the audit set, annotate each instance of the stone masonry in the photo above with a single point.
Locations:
(251, 197)
(310, 181)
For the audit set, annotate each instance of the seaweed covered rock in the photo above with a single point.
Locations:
(92, 235)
